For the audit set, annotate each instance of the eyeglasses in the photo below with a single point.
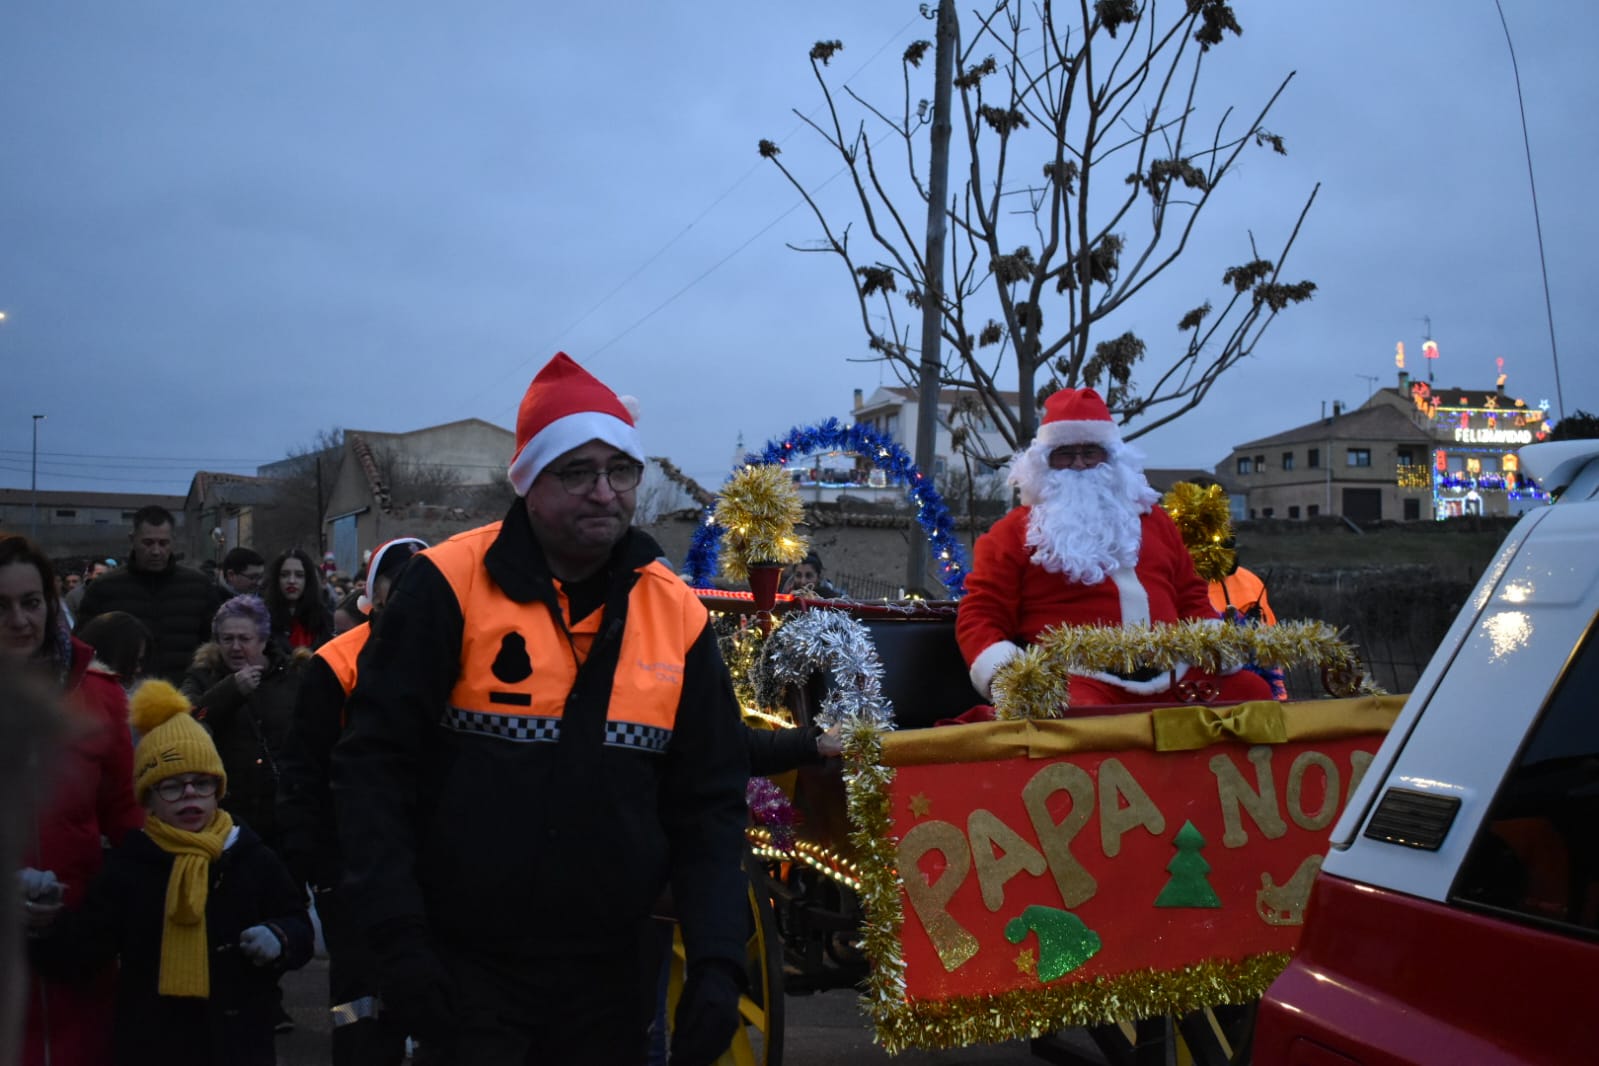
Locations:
(580, 481)
(173, 788)
(1088, 454)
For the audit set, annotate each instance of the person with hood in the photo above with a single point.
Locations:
(542, 735)
(88, 795)
(243, 688)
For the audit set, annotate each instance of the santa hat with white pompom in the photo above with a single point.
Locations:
(566, 407)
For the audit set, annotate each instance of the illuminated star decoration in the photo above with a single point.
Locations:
(921, 806)
(1024, 961)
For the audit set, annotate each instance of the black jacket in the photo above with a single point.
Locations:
(176, 604)
(530, 850)
(250, 729)
(306, 828)
(123, 916)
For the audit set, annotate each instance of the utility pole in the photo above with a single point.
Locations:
(933, 270)
(33, 529)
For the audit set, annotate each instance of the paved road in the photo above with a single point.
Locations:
(825, 1029)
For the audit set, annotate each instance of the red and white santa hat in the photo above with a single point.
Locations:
(385, 561)
(1077, 416)
(566, 407)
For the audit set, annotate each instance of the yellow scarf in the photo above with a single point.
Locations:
(185, 954)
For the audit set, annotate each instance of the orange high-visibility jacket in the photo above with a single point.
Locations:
(1242, 590)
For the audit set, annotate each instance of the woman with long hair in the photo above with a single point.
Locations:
(88, 795)
(293, 593)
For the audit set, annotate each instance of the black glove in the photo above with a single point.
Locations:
(415, 985)
(707, 1014)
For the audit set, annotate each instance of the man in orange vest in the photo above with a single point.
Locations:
(542, 737)
(308, 825)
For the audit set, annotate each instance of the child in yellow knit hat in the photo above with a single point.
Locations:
(203, 916)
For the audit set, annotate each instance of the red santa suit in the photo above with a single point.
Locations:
(1010, 599)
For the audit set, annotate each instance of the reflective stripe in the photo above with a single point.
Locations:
(527, 729)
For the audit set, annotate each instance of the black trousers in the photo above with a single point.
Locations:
(377, 1041)
(566, 1011)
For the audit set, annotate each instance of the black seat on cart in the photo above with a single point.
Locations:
(924, 676)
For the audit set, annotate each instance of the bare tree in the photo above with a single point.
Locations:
(1086, 172)
(303, 481)
(409, 480)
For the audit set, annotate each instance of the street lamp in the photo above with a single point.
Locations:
(34, 534)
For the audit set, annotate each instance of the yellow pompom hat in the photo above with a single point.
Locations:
(171, 742)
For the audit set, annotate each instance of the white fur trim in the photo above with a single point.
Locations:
(1153, 687)
(988, 662)
(1134, 597)
(1055, 434)
(564, 434)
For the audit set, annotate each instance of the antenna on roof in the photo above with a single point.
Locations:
(1371, 383)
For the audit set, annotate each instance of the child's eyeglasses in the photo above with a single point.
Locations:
(173, 788)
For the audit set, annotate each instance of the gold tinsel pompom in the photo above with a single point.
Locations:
(1204, 520)
(757, 510)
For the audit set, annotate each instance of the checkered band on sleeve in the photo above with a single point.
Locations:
(634, 735)
(519, 727)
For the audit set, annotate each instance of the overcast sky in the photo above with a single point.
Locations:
(227, 226)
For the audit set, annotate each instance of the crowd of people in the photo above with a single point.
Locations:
(191, 788)
(486, 763)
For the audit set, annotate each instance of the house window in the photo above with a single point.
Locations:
(1288, 460)
(1293, 512)
(1358, 456)
(1313, 510)
(1245, 466)
(66, 514)
(1412, 509)
(1313, 458)
(1268, 512)
(1260, 463)
(1407, 457)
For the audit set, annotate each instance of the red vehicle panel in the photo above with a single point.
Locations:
(1381, 977)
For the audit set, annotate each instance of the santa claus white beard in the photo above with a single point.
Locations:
(1085, 524)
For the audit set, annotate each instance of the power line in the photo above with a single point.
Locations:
(152, 458)
(539, 351)
(1537, 222)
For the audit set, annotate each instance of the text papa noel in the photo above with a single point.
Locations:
(1247, 792)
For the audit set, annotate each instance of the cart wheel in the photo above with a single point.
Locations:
(759, 1042)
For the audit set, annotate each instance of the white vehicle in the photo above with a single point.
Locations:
(1456, 916)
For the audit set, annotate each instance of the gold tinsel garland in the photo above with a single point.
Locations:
(1033, 685)
(757, 510)
(1205, 522)
(883, 915)
(902, 1023)
(1031, 1012)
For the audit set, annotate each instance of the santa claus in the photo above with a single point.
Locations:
(1088, 546)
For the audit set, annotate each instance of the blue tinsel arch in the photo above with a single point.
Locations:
(886, 454)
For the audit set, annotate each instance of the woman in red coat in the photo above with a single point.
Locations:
(88, 795)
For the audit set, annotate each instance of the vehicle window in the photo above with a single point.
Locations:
(1537, 855)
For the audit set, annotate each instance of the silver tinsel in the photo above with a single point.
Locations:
(817, 640)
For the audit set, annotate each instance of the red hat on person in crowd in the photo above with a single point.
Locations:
(385, 561)
(566, 407)
(1077, 416)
